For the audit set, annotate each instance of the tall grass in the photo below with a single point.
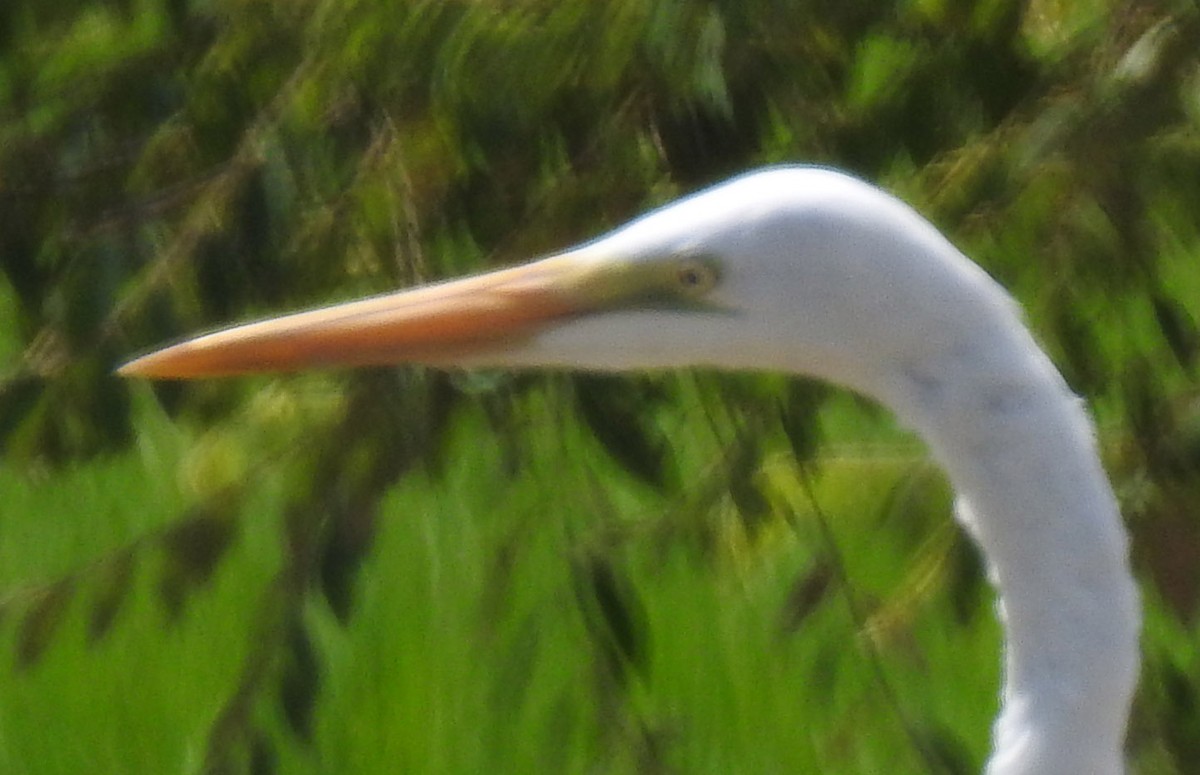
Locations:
(469, 649)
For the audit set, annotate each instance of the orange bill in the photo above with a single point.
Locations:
(428, 324)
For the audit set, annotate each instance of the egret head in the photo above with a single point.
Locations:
(798, 269)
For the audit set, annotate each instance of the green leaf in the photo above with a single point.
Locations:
(882, 64)
(41, 621)
(115, 583)
(615, 615)
(809, 592)
(194, 547)
(300, 681)
(1178, 328)
(351, 534)
(752, 504)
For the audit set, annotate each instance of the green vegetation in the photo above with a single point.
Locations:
(397, 570)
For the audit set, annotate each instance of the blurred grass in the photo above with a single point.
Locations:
(726, 588)
(467, 651)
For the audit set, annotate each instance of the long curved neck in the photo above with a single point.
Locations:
(1022, 456)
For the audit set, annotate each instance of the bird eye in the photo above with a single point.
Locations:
(696, 276)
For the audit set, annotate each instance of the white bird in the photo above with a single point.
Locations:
(809, 271)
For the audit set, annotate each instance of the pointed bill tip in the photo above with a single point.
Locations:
(442, 323)
(133, 369)
(162, 364)
(190, 360)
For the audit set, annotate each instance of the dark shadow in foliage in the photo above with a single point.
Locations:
(19, 394)
(41, 621)
(300, 680)
(1178, 328)
(263, 759)
(968, 581)
(114, 585)
(809, 591)
(193, 547)
(752, 505)
(703, 142)
(618, 412)
(614, 614)
(1182, 714)
(233, 270)
(1081, 365)
(351, 535)
(798, 415)
(945, 753)
(922, 114)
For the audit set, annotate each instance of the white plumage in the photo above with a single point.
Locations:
(809, 271)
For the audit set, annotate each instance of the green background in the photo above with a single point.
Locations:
(398, 570)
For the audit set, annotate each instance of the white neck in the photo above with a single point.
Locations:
(1021, 453)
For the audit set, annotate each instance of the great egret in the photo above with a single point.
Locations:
(810, 271)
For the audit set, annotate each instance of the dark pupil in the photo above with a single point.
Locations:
(689, 277)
